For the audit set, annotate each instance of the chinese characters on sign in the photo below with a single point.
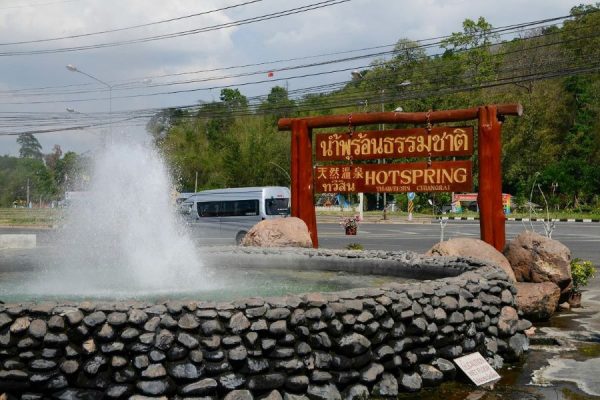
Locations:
(416, 142)
(440, 176)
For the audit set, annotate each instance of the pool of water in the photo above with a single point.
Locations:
(225, 284)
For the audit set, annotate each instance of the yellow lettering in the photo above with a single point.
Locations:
(460, 175)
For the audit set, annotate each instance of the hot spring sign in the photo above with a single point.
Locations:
(342, 159)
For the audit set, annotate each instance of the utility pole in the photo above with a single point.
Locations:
(196, 184)
(27, 193)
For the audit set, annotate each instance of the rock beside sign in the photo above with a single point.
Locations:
(537, 301)
(468, 247)
(536, 258)
(279, 232)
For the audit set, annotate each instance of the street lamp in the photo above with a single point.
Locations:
(73, 68)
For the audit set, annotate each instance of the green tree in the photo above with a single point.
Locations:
(30, 146)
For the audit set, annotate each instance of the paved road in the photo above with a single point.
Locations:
(582, 238)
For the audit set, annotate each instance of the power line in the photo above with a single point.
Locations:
(131, 27)
(246, 21)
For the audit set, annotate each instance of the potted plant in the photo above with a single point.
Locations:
(350, 224)
(581, 272)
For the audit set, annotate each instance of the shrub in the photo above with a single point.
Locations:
(581, 271)
(355, 246)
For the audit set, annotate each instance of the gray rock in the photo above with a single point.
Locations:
(387, 386)
(152, 324)
(205, 386)
(154, 371)
(130, 334)
(266, 381)
(517, 345)
(56, 323)
(445, 367)
(371, 373)
(356, 392)
(238, 354)
(187, 340)
(94, 319)
(353, 344)
(277, 313)
(137, 317)
(20, 325)
(188, 322)
(119, 391)
(38, 328)
(164, 340)
(278, 328)
(184, 371)
(323, 392)
(231, 381)
(297, 383)
(239, 323)
(154, 388)
(273, 395)
(411, 382)
(430, 375)
(239, 395)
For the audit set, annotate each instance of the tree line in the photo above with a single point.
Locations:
(38, 178)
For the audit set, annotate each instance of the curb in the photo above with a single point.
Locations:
(526, 219)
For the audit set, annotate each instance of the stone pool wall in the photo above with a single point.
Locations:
(360, 342)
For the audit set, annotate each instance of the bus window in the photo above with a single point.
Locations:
(247, 207)
(208, 209)
(277, 206)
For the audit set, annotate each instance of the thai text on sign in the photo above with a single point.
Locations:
(440, 176)
(477, 369)
(439, 141)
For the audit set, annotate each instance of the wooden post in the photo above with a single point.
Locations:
(302, 178)
(492, 222)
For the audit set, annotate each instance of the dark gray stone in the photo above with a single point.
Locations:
(137, 317)
(266, 381)
(411, 382)
(187, 340)
(154, 388)
(387, 386)
(239, 395)
(238, 323)
(323, 392)
(297, 383)
(430, 375)
(356, 392)
(353, 344)
(371, 373)
(94, 319)
(184, 371)
(231, 381)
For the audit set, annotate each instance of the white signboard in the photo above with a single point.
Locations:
(477, 369)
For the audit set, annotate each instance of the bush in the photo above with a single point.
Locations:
(581, 271)
(355, 246)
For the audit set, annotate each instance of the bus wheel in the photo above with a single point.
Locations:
(239, 237)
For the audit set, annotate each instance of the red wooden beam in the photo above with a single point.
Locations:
(492, 221)
(302, 202)
(358, 119)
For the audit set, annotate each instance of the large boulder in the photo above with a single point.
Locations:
(279, 232)
(475, 248)
(537, 301)
(536, 258)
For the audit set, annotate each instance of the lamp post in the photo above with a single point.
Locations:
(73, 68)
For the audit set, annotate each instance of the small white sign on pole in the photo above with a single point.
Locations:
(477, 369)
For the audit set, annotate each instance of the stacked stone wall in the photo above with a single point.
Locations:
(360, 342)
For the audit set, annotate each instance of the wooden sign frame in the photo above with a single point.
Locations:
(490, 117)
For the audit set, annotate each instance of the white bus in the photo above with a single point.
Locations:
(230, 213)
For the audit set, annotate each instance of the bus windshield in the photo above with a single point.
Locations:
(280, 206)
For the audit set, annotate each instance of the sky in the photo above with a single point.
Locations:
(114, 83)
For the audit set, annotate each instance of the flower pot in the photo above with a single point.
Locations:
(351, 230)
(575, 300)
